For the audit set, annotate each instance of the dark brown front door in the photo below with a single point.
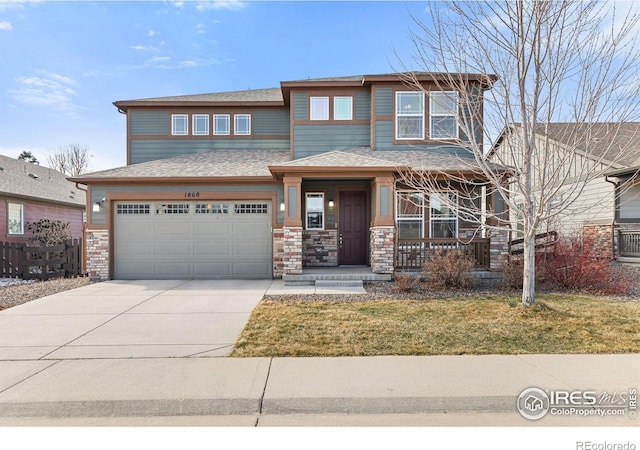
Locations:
(353, 228)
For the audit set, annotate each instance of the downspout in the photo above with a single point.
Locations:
(615, 210)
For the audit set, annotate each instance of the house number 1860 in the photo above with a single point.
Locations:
(191, 194)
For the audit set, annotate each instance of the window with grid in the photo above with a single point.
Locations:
(443, 217)
(212, 208)
(251, 208)
(410, 214)
(409, 115)
(221, 124)
(173, 208)
(443, 115)
(133, 209)
(179, 124)
(242, 124)
(200, 124)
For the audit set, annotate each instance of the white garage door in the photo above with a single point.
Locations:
(184, 240)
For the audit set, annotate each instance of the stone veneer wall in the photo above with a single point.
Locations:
(97, 257)
(320, 248)
(292, 250)
(278, 253)
(499, 247)
(382, 249)
(600, 237)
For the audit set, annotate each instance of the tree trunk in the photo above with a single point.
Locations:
(529, 271)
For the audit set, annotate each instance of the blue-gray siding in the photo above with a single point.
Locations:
(143, 150)
(384, 101)
(146, 123)
(100, 192)
(271, 122)
(311, 140)
(300, 106)
(362, 106)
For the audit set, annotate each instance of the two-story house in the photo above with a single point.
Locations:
(267, 182)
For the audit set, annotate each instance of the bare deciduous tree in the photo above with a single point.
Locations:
(557, 62)
(71, 160)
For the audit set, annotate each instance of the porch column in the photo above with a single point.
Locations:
(292, 226)
(383, 231)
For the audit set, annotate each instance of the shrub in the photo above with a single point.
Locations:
(405, 282)
(446, 267)
(49, 232)
(512, 272)
(574, 265)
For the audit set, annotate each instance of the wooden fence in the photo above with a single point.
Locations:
(629, 242)
(411, 254)
(41, 263)
(543, 242)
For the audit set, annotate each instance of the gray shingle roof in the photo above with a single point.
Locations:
(219, 163)
(249, 95)
(22, 179)
(338, 158)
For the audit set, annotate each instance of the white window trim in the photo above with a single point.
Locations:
(174, 117)
(453, 114)
(306, 210)
(408, 218)
(343, 97)
(21, 219)
(216, 132)
(398, 114)
(194, 119)
(235, 125)
(453, 218)
(313, 111)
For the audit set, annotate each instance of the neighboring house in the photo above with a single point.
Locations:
(29, 192)
(599, 149)
(624, 236)
(268, 182)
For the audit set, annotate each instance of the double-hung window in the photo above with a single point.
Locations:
(179, 124)
(319, 108)
(410, 214)
(16, 218)
(314, 209)
(342, 108)
(443, 215)
(443, 112)
(200, 124)
(242, 124)
(409, 115)
(221, 124)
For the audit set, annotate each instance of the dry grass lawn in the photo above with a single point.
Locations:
(474, 326)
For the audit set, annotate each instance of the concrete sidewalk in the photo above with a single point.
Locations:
(305, 386)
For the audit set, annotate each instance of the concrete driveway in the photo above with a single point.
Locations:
(131, 319)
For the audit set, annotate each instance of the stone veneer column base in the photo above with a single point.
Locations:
(278, 252)
(97, 256)
(292, 251)
(382, 246)
(499, 247)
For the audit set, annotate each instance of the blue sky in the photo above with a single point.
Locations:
(64, 63)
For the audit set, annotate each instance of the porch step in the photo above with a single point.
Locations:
(339, 283)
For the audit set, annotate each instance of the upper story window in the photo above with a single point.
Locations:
(409, 115)
(314, 208)
(443, 112)
(242, 124)
(179, 124)
(221, 124)
(200, 124)
(342, 108)
(16, 218)
(319, 108)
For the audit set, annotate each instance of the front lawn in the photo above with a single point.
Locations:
(472, 326)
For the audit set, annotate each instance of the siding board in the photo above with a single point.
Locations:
(300, 106)
(362, 106)
(384, 101)
(266, 123)
(314, 139)
(149, 123)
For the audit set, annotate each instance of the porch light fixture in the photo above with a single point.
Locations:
(282, 206)
(330, 203)
(97, 206)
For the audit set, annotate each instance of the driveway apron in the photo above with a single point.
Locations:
(131, 319)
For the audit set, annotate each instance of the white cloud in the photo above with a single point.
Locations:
(200, 29)
(46, 89)
(151, 33)
(5, 26)
(156, 59)
(233, 5)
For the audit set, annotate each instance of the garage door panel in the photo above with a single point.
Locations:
(157, 242)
